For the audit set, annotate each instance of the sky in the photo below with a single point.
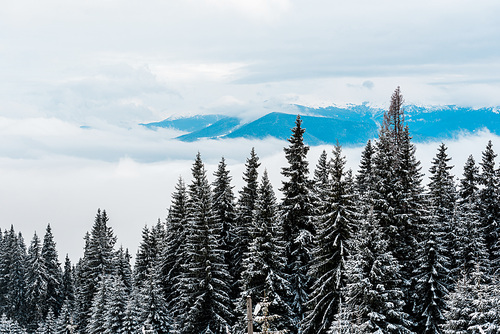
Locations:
(77, 77)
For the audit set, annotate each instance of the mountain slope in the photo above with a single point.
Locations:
(352, 125)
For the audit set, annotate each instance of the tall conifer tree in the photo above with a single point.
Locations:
(296, 211)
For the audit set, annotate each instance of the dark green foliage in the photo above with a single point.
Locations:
(334, 227)
(295, 212)
(263, 263)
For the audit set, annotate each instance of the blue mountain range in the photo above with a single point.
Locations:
(350, 126)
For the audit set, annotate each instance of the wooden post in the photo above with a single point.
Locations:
(249, 315)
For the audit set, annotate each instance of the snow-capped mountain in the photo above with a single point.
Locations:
(351, 125)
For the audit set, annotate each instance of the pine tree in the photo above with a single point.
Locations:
(334, 228)
(36, 284)
(145, 258)
(65, 322)
(374, 294)
(97, 262)
(244, 216)
(174, 253)
(13, 268)
(97, 321)
(262, 275)
(432, 275)
(68, 285)
(295, 212)
(154, 316)
(365, 177)
(116, 306)
(398, 197)
(458, 307)
(225, 213)
(470, 248)
(123, 269)
(489, 201)
(53, 298)
(204, 291)
(442, 200)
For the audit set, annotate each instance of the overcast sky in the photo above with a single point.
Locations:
(109, 65)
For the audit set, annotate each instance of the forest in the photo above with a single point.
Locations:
(375, 251)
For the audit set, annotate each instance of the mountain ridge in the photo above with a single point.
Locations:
(351, 125)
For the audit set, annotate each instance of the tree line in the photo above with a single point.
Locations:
(371, 252)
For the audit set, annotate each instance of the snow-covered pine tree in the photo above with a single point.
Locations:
(365, 176)
(68, 284)
(321, 178)
(489, 203)
(296, 211)
(432, 279)
(334, 227)
(203, 282)
(244, 216)
(123, 269)
(35, 284)
(53, 297)
(458, 307)
(470, 248)
(398, 196)
(97, 262)
(174, 254)
(374, 302)
(116, 306)
(152, 307)
(65, 323)
(442, 201)
(225, 212)
(97, 320)
(13, 269)
(263, 262)
(145, 257)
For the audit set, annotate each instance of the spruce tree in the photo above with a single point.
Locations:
(432, 279)
(470, 247)
(36, 284)
(98, 261)
(375, 299)
(365, 176)
(244, 216)
(53, 298)
(68, 285)
(174, 254)
(489, 201)
(203, 282)
(262, 276)
(225, 213)
(334, 226)
(116, 306)
(442, 201)
(295, 212)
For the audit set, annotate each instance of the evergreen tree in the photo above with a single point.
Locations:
(98, 261)
(262, 275)
(49, 325)
(13, 268)
(53, 298)
(204, 291)
(97, 321)
(295, 212)
(116, 306)
(36, 284)
(174, 253)
(398, 197)
(68, 286)
(65, 322)
(365, 177)
(442, 200)
(244, 216)
(489, 201)
(145, 258)
(154, 316)
(374, 295)
(225, 212)
(432, 276)
(123, 269)
(470, 248)
(334, 229)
